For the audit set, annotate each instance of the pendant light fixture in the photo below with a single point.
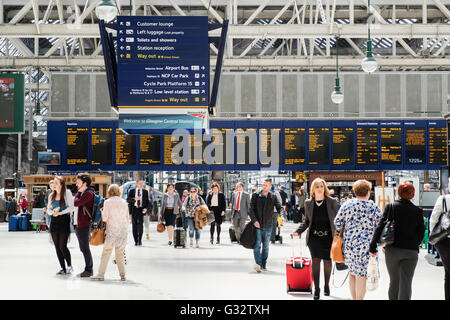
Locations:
(106, 10)
(337, 96)
(369, 64)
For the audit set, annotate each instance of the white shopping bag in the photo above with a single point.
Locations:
(372, 274)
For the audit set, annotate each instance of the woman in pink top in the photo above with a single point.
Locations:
(115, 214)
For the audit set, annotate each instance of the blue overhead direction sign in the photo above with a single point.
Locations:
(163, 62)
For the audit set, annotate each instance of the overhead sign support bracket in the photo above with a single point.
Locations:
(215, 88)
(109, 55)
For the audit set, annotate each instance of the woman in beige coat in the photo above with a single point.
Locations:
(116, 215)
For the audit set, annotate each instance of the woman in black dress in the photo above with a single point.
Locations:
(320, 212)
(217, 204)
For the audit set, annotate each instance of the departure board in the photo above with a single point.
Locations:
(343, 146)
(269, 153)
(246, 146)
(219, 145)
(222, 138)
(437, 145)
(177, 156)
(319, 146)
(77, 146)
(197, 146)
(363, 144)
(294, 146)
(391, 145)
(367, 146)
(150, 149)
(125, 149)
(415, 147)
(101, 144)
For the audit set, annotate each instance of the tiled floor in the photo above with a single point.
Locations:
(28, 267)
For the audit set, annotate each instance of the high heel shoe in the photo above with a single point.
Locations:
(326, 291)
(316, 294)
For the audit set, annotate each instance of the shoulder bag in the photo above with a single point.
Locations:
(248, 236)
(388, 234)
(98, 235)
(336, 253)
(442, 229)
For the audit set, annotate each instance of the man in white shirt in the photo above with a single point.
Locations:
(139, 203)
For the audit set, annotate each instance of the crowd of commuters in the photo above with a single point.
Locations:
(319, 213)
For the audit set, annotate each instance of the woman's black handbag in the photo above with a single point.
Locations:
(248, 236)
(388, 234)
(442, 229)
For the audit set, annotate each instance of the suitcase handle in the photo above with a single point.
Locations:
(293, 265)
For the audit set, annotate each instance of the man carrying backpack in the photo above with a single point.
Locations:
(84, 200)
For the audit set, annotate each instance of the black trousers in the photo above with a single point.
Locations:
(60, 241)
(217, 223)
(443, 247)
(83, 235)
(137, 219)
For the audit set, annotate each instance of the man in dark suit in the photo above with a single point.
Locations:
(139, 203)
(240, 205)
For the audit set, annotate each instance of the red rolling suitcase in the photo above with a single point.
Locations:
(298, 274)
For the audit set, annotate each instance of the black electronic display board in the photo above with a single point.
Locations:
(367, 145)
(101, 154)
(176, 149)
(270, 154)
(294, 146)
(391, 145)
(197, 145)
(219, 143)
(319, 146)
(343, 146)
(437, 145)
(415, 146)
(150, 149)
(125, 149)
(168, 148)
(77, 146)
(246, 146)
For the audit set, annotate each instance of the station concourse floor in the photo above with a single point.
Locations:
(28, 266)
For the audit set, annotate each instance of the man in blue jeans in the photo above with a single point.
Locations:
(261, 214)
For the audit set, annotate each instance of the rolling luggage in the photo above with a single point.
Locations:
(23, 223)
(278, 237)
(298, 274)
(178, 221)
(179, 238)
(296, 216)
(13, 223)
(232, 234)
